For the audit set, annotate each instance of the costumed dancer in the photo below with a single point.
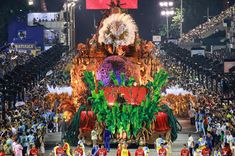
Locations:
(81, 143)
(78, 151)
(162, 151)
(125, 151)
(33, 151)
(185, 151)
(206, 151)
(58, 150)
(158, 143)
(107, 137)
(146, 150)
(201, 143)
(119, 150)
(217, 151)
(67, 148)
(94, 150)
(102, 151)
(139, 152)
(197, 121)
(166, 146)
(200, 146)
(94, 136)
(56, 124)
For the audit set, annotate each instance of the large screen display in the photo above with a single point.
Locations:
(104, 4)
(42, 17)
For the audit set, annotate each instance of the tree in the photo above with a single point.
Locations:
(174, 28)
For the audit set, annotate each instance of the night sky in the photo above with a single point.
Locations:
(147, 16)
(146, 19)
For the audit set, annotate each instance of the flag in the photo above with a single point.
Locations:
(104, 4)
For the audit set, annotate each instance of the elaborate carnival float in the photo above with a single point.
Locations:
(116, 82)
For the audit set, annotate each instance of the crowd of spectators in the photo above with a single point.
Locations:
(9, 60)
(25, 126)
(59, 76)
(23, 131)
(209, 25)
(219, 55)
(214, 120)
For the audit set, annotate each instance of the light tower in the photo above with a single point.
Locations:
(167, 10)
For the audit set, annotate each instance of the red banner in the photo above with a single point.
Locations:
(132, 95)
(104, 4)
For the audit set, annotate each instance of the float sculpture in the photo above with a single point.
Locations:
(117, 81)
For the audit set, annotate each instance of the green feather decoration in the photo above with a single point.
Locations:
(130, 82)
(113, 77)
(125, 117)
(123, 83)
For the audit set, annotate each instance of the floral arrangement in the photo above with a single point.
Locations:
(118, 30)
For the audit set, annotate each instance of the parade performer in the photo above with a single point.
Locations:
(162, 151)
(146, 150)
(66, 147)
(125, 151)
(94, 136)
(167, 147)
(217, 151)
(94, 150)
(185, 151)
(119, 150)
(201, 143)
(2, 152)
(58, 150)
(33, 151)
(139, 152)
(102, 151)
(107, 137)
(206, 151)
(78, 151)
(158, 143)
(81, 143)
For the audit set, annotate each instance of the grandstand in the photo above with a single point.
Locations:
(208, 28)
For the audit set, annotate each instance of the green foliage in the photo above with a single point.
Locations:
(176, 19)
(125, 117)
(100, 85)
(113, 77)
(174, 24)
(89, 80)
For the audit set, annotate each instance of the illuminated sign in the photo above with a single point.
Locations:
(24, 46)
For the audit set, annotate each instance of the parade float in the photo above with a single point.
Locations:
(116, 82)
(179, 100)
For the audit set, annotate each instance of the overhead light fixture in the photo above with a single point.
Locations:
(163, 13)
(170, 4)
(161, 4)
(30, 2)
